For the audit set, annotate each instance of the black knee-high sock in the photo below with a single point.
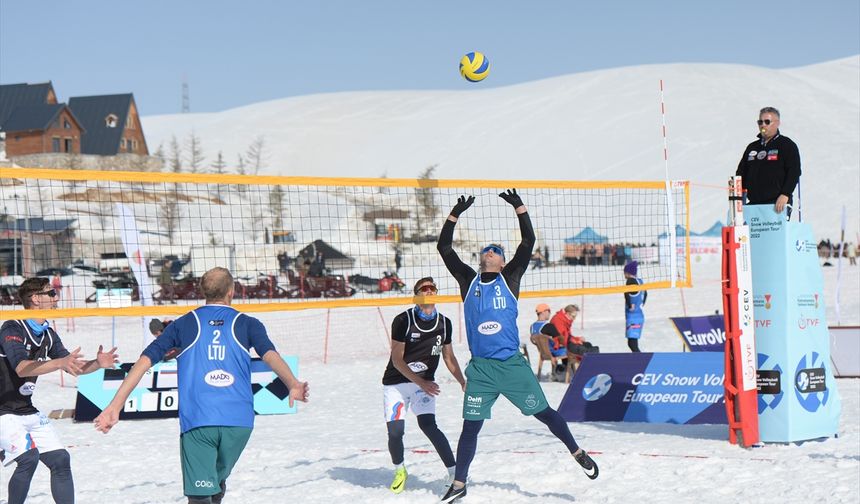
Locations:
(440, 442)
(19, 483)
(62, 485)
(633, 344)
(466, 448)
(558, 426)
(395, 440)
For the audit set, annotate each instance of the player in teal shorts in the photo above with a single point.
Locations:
(497, 367)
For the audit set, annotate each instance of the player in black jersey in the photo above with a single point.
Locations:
(419, 336)
(29, 348)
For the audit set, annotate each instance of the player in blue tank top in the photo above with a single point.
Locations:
(216, 404)
(490, 306)
(634, 317)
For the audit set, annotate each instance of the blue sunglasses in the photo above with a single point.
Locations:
(496, 250)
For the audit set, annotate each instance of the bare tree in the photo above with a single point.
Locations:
(195, 152)
(73, 162)
(159, 153)
(219, 165)
(426, 195)
(256, 154)
(175, 156)
(276, 206)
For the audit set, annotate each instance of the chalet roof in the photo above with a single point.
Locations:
(92, 111)
(37, 225)
(13, 96)
(329, 252)
(34, 117)
(386, 213)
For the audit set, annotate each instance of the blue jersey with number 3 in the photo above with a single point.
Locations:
(214, 367)
(490, 310)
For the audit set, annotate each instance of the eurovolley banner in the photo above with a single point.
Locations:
(157, 395)
(797, 396)
(679, 388)
(702, 334)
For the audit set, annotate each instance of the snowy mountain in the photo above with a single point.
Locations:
(598, 125)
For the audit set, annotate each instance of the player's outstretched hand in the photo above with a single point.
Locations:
(107, 359)
(73, 363)
(462, 204)
(106, 419)
(512, 198)
(299, 392)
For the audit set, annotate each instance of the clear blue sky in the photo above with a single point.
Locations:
(236, 53)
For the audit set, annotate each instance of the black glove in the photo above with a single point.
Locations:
(512, 197)
(462, 204)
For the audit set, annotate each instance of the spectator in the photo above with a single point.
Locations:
(634, 317)
(562, 323)
(317, 267)
(165, 280)
(398, 260)
(540, 329)
(851, 252)
(156, 328)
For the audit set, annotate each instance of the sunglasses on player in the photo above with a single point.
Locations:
(496, 250)
(50, 293)
(766, 122)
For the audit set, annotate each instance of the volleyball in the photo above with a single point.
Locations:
(474, 67)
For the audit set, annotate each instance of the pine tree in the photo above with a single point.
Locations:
(195, 152)
(427, 209)
(256, 154)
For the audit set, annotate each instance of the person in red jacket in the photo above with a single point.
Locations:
(563, 322)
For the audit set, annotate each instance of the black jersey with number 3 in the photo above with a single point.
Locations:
(423, 339)
(17, 343)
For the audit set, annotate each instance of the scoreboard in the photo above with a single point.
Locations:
(157, 394)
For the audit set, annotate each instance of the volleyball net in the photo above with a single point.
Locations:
(134, 243)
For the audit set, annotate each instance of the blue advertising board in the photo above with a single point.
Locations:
(157, 396)
(679, 388)
(702, 334)
(797, 396)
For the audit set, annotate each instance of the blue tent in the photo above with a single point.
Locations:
(587, 235)
(679, 231)
(715, 230)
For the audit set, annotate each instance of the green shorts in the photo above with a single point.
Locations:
(513, 378)
(208, 455)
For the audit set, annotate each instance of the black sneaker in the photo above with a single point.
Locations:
(589, 466)
(454, 494)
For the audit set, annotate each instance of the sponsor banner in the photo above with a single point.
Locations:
(702, 334)
(797, 397)
(157, 395)
(703, 249)
(679, 388)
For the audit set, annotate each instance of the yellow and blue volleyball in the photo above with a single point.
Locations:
(474, 67)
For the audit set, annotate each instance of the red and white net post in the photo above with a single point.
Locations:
(740, 353)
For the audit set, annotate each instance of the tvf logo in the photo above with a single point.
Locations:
(803, 323)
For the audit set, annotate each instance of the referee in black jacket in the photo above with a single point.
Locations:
(770, 166)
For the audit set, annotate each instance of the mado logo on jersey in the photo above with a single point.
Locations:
(810, 386)
(489, 327)
(597, 387)
(417, 367)
(27, 388)
(219, 378)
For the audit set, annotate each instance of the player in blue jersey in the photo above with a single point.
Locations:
(216, 404)
(634, 317)
(490, 301)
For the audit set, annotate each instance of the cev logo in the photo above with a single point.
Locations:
(219, 378)
(490, 327)
(597, 387)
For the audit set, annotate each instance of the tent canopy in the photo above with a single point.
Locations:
(587, 235)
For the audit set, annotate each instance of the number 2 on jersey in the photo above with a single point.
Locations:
(217, 351)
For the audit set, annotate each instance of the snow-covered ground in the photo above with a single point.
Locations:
(334, 449)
